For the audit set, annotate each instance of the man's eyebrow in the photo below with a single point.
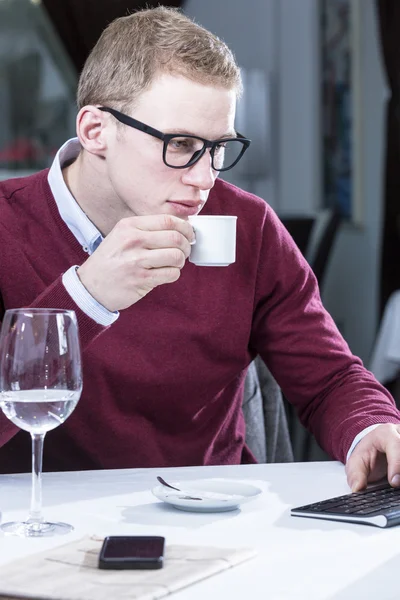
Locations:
(230, 134)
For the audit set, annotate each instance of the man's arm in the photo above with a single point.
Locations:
(336, 398)
(138, 255)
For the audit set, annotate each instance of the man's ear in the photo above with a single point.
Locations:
(91, 124)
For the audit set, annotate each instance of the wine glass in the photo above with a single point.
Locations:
(40, 385)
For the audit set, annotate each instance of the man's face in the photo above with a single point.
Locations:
(142, 183)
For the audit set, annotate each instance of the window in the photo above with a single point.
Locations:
(37, 89)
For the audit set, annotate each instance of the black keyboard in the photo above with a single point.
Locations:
(378, 505)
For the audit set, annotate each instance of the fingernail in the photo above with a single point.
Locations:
(395, 481)
(355, 486)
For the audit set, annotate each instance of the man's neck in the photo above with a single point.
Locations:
(91, 190)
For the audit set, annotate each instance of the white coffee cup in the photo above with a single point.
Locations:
(215, 244)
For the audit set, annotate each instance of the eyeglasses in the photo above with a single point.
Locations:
(182, 150)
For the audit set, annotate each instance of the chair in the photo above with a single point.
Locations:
(315, 237)
(299, 228)
(322, 237)
(267, 433)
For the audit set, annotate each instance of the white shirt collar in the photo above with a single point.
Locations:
(71, 213)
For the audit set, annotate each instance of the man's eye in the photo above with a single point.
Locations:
(220, 147)
(181, 144)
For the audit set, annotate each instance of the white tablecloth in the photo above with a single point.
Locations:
(297, 558)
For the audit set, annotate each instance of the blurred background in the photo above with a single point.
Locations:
(320, 103)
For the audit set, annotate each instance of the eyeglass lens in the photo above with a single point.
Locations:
(181, 150)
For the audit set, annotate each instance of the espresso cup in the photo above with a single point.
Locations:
(215, 244)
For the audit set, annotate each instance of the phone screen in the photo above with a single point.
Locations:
(132, 552)
(133, 547)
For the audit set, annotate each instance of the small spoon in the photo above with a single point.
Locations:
(164, 483)
(204, 495)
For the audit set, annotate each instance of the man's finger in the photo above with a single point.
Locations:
(156, 240)
(164, 257)
(357, 473)
(393, 455)
(161, 223)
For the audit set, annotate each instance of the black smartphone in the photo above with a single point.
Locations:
(132, 552)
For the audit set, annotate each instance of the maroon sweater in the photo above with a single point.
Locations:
(163, 385)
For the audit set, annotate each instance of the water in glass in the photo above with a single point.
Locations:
(40, 385)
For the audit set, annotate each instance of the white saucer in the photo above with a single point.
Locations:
(237, 493)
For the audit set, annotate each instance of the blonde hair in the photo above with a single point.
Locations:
(133, 50)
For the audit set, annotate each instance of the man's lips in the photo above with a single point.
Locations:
(185, 208)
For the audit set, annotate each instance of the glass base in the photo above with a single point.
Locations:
(27, 529)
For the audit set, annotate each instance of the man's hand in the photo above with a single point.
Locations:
(139, 254)
(376, 455)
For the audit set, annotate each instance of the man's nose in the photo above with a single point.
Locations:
(201, 174)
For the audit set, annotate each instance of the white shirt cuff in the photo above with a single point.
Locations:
(359, 437)
(85, 301)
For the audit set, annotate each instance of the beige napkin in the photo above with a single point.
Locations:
(71, 573)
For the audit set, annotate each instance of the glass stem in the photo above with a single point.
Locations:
(35, 514)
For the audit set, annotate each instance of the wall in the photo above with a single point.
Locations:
(352, 289)
(281, 37)
(251, 34)
(298, 114)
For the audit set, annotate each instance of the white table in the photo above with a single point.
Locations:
(297, 558)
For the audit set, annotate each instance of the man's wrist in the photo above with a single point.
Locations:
(89, 305)
(359, 437)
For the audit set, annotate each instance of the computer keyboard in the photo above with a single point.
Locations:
(378, 505)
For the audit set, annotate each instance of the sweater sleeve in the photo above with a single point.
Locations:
(56, 296)
(333, 394)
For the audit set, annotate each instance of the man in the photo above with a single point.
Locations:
(166, 344)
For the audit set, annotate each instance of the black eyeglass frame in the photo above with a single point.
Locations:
(167, 137)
